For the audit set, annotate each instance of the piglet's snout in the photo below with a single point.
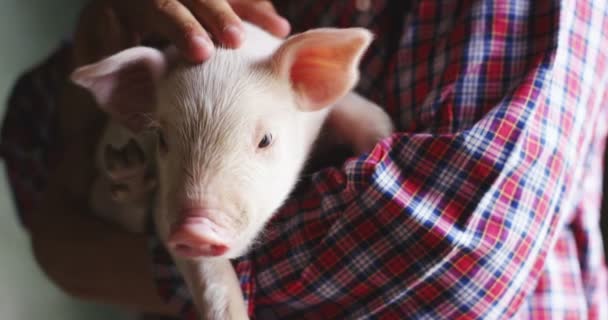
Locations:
(196, 235)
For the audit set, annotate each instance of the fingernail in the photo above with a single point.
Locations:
(286, 26)
(202, 47)
(203, 42)
(233, 35)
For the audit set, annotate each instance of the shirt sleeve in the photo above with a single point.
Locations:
(29, 135)
(452, 224)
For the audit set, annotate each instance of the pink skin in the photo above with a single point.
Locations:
(196, 235)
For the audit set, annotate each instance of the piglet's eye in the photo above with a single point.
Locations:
(266, 141)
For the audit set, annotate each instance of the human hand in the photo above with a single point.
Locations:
(192, 24)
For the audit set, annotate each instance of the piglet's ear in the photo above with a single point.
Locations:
(322, 64)
(124, 85)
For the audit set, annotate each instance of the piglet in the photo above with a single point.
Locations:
(226, 141)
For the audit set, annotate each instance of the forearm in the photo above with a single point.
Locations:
(93, 260)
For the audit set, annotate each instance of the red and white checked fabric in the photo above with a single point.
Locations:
(484, 205)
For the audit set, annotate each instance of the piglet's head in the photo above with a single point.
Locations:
(233, 132)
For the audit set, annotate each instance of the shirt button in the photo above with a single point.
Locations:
(363, 5)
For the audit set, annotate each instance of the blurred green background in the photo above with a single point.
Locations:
(30, 30)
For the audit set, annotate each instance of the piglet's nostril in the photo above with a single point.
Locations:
(198, 237)
(204, 250)
(183, 249)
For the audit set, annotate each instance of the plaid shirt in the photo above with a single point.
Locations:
(485, 204)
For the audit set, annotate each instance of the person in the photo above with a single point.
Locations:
(484, 204)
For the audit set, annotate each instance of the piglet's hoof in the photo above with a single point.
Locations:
(128, 172)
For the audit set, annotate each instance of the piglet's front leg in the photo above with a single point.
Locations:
(214, 288)
(358, 122)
